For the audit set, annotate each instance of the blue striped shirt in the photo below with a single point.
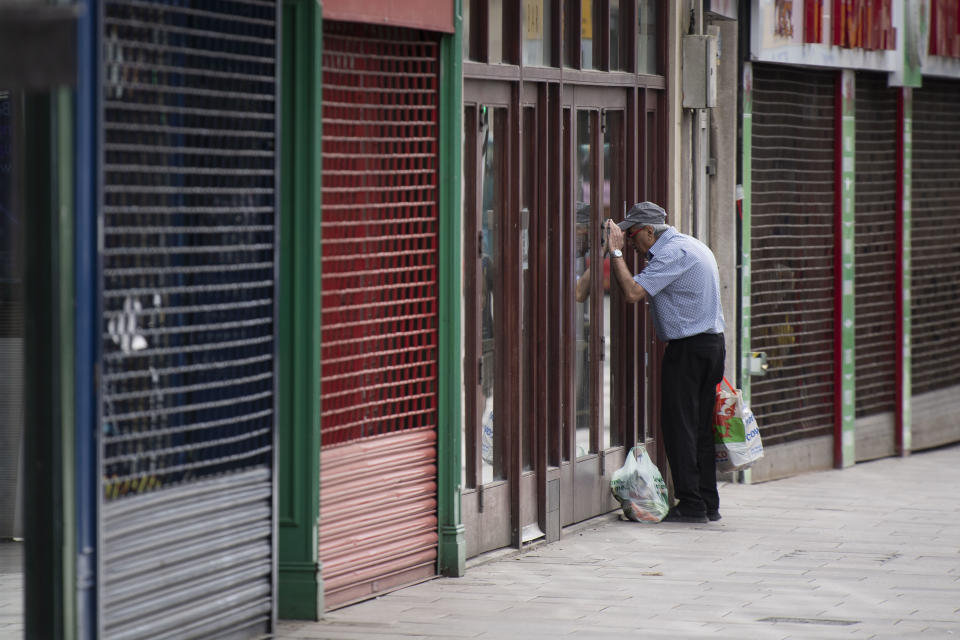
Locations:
(683, 284)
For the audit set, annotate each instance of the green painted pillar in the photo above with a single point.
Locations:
(43, 167)
(452, 549)
(844, 357)
(298, 331)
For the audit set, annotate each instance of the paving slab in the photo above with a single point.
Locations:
(868, 552)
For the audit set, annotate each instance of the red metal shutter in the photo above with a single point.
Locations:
(378, 526)
(792, 257)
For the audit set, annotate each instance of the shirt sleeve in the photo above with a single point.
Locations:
(661, 271)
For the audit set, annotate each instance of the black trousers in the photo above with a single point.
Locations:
(692, 367)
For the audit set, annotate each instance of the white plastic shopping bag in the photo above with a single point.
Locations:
(640, 488)
(735, 430)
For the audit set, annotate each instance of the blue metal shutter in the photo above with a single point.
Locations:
(187, 224)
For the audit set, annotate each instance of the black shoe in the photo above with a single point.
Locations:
(675, 516)
(713, 516)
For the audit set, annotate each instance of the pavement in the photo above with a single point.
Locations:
(11, 589)
(872, 551)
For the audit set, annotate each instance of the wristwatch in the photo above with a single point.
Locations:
(616, 253)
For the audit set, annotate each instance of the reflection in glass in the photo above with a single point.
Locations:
(613, 205)
(589, 23)
(582, 241)
(495, 31)
(647, 36)
(527, 186)
(615, 35)
(566, 39)
(537, 18)
(492, 128)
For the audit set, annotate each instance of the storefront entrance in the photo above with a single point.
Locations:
(557, 368)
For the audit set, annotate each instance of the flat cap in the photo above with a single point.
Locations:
(643, 213)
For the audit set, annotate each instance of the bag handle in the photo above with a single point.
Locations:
(728, 385)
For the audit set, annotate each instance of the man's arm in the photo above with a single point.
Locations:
(583, 286)
(632, 291)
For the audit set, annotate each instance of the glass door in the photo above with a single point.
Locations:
(487, 411)
(602, 414)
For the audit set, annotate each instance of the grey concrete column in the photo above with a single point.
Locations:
(721, 185)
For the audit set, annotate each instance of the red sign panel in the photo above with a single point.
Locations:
(863, 24)
(432, 15)
(945, 28)
(813, 21)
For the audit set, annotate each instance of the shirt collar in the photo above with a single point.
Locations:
(663, 239)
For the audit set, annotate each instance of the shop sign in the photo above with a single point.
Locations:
(945, 28)
(854, 34)
(586, 19)
(533, 19)
(864, 24)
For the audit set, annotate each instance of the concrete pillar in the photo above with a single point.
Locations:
(721, 185)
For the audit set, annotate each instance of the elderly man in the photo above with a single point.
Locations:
(683, 285)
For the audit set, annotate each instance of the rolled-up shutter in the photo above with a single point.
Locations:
(188, 117)
(935, 263)
(378, 526)
(875, 244)
(792, 251)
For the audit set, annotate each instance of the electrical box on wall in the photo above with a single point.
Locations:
(699, 72)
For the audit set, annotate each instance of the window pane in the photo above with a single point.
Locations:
(647, 36)
(615, 62)
(537, 18)
(568, 207)
(493, 129)
(495, 31)
(584, 232)
(589, 23)
(527, 205)
(567, 37)
(613, 207)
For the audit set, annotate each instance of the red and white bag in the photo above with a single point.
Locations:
(735, 431)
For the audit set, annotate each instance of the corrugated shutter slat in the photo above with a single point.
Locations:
(935, 266)
(875, 245)
(187, 221)
(792, 251)
(378, 524)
